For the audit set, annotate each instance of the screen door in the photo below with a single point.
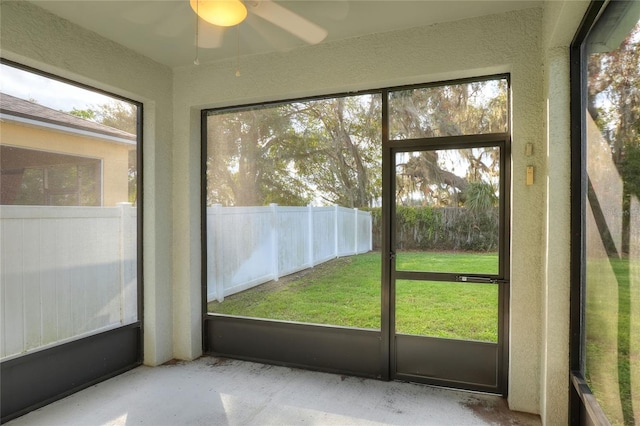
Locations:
(448, 258)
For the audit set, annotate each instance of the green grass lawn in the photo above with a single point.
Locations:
(455, 262)
(346, 292)
(613, 342)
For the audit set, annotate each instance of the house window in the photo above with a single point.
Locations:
(31, 177)
(607, 212)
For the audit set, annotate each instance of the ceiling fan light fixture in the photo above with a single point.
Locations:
(224, 13)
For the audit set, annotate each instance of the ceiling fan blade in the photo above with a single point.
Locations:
(261, 32)
(209, 36)
(288, 21)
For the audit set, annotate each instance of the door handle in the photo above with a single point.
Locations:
(467, 279)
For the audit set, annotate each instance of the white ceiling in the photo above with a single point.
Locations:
(164, 30)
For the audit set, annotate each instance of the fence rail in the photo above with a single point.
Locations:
(69, 272)
(65, 273)
(248, 246)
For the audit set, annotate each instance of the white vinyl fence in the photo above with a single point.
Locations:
(65, 273)
(248, 246)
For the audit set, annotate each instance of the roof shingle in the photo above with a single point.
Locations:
(11, 105)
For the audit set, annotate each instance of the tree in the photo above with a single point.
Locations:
(480, 198)
(119, 115)
(249, 161)
(324, 151)
(122, 116)
(86, 114)
(343, 162)
(614, 104)
(329, 151)
(462, 109)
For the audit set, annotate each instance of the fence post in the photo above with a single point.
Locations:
(355, 247)
(275, 255)
(370, 232)
(310, 217)
(335, 228)
(125, 258)
(218, 245)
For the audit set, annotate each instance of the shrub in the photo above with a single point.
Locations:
(446, 228)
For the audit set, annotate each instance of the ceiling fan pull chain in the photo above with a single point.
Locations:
(196, 61)
(238, 51)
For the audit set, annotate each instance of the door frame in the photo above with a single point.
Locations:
(389, 274)
(342, 350)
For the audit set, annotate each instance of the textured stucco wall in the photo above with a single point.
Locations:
(509, 42)
(33, 37)
(560, 22)
(554, 383)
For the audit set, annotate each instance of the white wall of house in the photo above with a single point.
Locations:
(529, 44)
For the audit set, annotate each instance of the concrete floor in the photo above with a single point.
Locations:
(217, 391)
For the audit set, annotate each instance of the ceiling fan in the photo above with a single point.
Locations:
(226, 13)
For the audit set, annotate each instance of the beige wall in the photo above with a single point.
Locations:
(510, 42)
(530, 44)
(114, 156)
(560, 21)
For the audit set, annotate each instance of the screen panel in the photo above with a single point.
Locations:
(292, 194)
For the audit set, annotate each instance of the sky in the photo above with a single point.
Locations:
(46, 91)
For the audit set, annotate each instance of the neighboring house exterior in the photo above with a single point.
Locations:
(89, 165)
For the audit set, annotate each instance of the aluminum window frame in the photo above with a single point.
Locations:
(282, 335)
(583, 405)
(71, 367)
